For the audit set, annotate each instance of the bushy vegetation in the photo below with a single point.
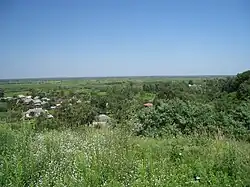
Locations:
(195, 134)
(1, 93)
(189, 117)
(89, 157)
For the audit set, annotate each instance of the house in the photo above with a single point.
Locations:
(27, 100)
(29, 97)
(7, 98)
(44, 103)
(45, 99)
(103, 118)
(37, 102)
(36, 112)
(148, 104)
(102, 121)
(37, 97)
(21, 96)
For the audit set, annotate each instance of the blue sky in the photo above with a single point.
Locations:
(123, 38)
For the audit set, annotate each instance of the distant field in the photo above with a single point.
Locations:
(112, 78)
(23, 86)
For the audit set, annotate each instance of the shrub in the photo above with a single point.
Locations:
(75, 115)
(177, 116)
(3, 107)
(1, 92)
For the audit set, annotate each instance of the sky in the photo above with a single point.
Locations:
(90, 38)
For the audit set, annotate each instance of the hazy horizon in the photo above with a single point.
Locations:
(151, 76)
(51, 39)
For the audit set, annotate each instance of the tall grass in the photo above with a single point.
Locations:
(89, 157)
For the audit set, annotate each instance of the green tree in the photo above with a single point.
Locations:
(75, 115)
(243, 91)
(233, 84)
(1, 92)
(191, 82)
(241, 78)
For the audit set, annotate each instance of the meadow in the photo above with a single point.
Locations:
(195, 134)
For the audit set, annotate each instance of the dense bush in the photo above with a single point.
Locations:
(180, 117)
(1, 93)
(177, 116)
(216, 105)
(239, 84)
(3, 107)
(75, 115)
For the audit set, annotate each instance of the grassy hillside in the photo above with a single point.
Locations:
(90, 157)
(194, 132)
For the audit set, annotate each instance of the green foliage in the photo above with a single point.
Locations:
(113, 158)
(229, 85)
(180, 117)
(241, 78)
(241, 114)
(75, 115)
(100, 102)
(1, 92)
(194, 130)
(206, 106)
(239, 84)
(243, 92)
(3, 107)
(191, 82)
(177, 116)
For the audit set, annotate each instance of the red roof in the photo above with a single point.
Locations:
(148, 104)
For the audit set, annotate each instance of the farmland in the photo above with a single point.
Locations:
(157, 131)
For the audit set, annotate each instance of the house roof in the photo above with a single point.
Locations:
(148, 104)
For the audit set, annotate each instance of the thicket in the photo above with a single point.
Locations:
(214, 106)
